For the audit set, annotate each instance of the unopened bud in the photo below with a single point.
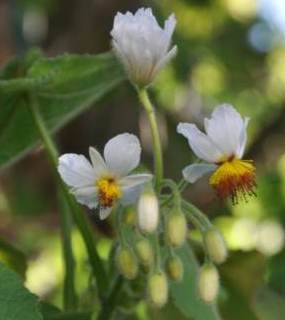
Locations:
(158, 289)
(129, 217)
(145, 253)
(215, 246)
(174, 268)
(208, 283)
(176, 229)
(148, 211)
(127, 263)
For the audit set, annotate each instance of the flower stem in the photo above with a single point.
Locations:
(197, 214)
(175, 192)
(158, 163)
(69, 293)
(78, 215)
(112, 299)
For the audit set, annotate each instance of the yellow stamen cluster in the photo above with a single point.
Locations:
(108, 191)
(234, 178)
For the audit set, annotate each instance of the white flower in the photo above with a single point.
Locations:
(142, 45)
(222, 148)
(104, 182)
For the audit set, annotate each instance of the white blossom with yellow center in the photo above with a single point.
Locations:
(142, 45)
(105, 182)
(222, 148)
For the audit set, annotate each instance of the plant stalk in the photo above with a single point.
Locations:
(158, 162)
(78, 215)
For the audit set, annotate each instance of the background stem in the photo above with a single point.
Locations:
(158, 163)
(69, 293)
(78, 215)
(112, 299)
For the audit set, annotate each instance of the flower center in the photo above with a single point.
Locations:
(108, 191)
(234, 178)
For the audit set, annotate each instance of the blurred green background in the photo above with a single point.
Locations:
(229, 51)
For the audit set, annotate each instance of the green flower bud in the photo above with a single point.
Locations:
(148, 211)
(145, 253)
(158, 289)
(174, 268)
(208, 284)
(127, 263)
(215, 246)
(176, 229)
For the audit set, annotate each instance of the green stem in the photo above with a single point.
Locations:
(203, 220)
(78, 215)
(158, 163)
(182, 185)
(112, 299)
(175, 192)
(69, 293)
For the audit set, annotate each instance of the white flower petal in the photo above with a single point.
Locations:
(225, 128)
(122, 153)
(75, 170)
(193, 172)
(201, 145)
(86, 196)
(131, 195)
(170, 55)
(99, 165)
(134, 180)
(141, 44)
(104, 213)
(243, 138)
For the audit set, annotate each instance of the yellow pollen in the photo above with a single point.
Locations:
(108, 191)
(234, 178)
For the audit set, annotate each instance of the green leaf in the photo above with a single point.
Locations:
(65, 86)
(184, 293)
(13, 258)
(69, 316)
(16, 302)
(234, 306)
(269, 305)
(51, 312)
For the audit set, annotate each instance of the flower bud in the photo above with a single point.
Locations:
(158, 289)
(127, 263)
(215, 246)
(208, 284)
(176, 229)
(145, 253)
(174, 268)
(142, 45)
(148, 211)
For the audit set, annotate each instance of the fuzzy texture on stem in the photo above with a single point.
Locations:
(69, 293)
(158, 162)
(78, 216)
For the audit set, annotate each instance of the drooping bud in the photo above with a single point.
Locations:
(127, 263)
(158, 289)
(208, 284)
(176, 229)
(174, 268)
(145, 253)
(215, 246)
(148, 211)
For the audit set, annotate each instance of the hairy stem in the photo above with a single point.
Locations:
(69, 293)
(158, 163)
(78, 215)
(112, 299)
